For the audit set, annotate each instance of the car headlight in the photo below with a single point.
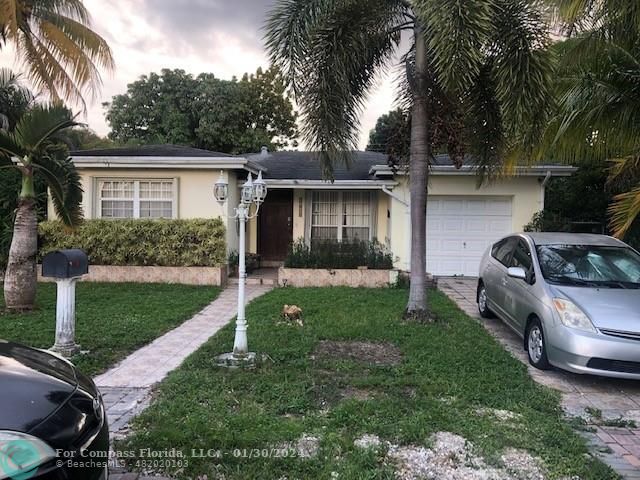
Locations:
(571, 316)
(20, 454)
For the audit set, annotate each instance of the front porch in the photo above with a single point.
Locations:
(316, 214)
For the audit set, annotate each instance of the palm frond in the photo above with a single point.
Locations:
(624, 210)
(15, 98)
(457, 32)
(64, 183)
(334, 49)
(10, 147)
(40, 123)
(523, 69)
(61, 53)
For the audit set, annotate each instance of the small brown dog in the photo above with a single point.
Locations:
(292, 313)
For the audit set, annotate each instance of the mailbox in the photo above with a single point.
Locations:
(69, 263)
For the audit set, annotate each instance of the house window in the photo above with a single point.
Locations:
(341, 216)
(136, 198)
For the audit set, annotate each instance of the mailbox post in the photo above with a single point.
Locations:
(66, 266)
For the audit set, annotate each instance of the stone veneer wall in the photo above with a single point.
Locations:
(184, 275)
(310, 277)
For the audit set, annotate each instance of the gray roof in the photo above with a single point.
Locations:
(559, 238)
(149, 151)
(286, 165)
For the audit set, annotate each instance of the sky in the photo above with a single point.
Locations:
(218, 36)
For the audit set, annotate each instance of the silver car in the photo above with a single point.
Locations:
(573, 298)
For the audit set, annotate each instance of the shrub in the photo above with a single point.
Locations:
(332, 254)
(169, 243)
(547, 221)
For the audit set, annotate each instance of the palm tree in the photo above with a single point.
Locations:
(476, 78)
(32, 149)
(61, 53)
(598, 115)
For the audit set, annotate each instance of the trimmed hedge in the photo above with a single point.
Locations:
(338, 255)
(166, 243)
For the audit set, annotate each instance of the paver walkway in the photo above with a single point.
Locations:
(126, 388)
(582, 395)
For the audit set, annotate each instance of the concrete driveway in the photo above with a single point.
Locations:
(582, 395)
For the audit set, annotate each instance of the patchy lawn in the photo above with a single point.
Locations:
(353, 376)
(112, 319)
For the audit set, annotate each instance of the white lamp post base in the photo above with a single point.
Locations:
(66, 351)
(232, 360)
(65, 344)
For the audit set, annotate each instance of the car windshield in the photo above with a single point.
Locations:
(590, 266)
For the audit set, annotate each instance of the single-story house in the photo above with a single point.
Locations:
(366, 201)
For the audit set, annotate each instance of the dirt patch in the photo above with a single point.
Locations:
(383, 353)
(361, 394)
(452, 457)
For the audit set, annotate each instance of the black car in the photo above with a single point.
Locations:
(53, 424)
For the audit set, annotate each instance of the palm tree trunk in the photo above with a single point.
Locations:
(417, 307)
(20, 276)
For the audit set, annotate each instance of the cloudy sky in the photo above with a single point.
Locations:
(219, 36)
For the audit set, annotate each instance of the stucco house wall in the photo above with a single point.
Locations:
(526, 193)
(194, 173)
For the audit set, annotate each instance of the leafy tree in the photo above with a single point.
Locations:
(392, 135)
(32, 148)
(233, 116)
(54, 39)
(598, 116)
(476, 79)
(582, 197)
(156, 109)
(83, 138)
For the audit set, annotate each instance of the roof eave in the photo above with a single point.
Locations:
(328, 185)
(535, 171)
(150, 162)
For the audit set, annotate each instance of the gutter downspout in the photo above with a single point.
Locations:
(543, 187)
(407, 212)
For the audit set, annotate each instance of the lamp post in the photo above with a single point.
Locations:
(253, 192)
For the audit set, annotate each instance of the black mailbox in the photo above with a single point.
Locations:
(65, 263)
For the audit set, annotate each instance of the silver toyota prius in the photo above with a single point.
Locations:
(573, 298)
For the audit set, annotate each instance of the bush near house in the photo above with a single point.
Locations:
(338, 255)
(166, 243)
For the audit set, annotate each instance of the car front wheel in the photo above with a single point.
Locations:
(482, 303)
(536, 346)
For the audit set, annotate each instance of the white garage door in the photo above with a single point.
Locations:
(459, 230)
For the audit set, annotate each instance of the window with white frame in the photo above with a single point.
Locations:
(341, 216)
(124, 198)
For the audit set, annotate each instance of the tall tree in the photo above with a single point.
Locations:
(61, 53)
(83, 138)
(476, 79)
(598, 117)
(391, 135)
(232, 116)
(32, 149)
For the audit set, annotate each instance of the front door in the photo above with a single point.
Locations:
(275, 230)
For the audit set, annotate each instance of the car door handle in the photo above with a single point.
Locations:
(504, 281)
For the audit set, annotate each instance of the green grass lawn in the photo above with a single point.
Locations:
(447, 371)
(112, 319)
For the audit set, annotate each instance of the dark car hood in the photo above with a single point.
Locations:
(610, 308)
(33, 384)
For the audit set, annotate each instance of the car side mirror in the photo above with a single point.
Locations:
(517, 272)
